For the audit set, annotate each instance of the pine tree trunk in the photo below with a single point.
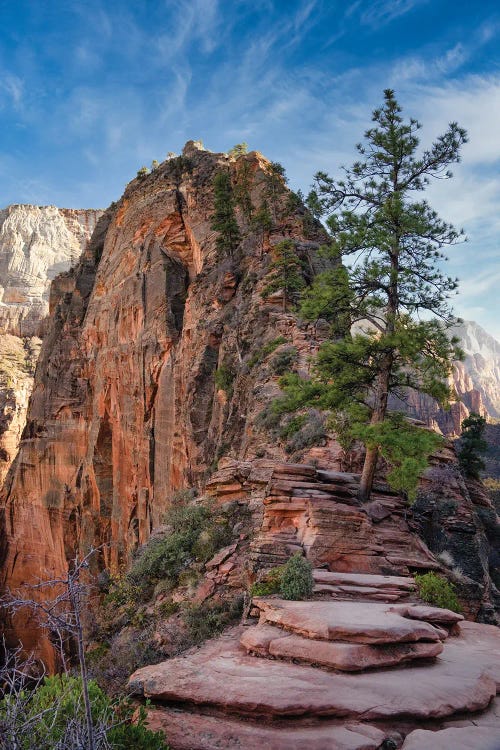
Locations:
(368, 474)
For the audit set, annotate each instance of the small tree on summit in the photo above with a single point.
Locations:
(395, 241)
(285, 273)
(224, 219)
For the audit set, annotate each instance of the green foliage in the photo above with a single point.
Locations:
(471, 445)
(269, 584)
(57, 704)
(284, 360)
(154, 164)
(436, 590)
(142, 172)
(224, 219)
(405, 446)
(395, 241)
(262, 218)
(285, 273)
(297, 579)
(274, 185)
(206, 620)
(224, 378)
(242, 196)
(330, 298)
(264, 351)
(240, 149)
(195, 533)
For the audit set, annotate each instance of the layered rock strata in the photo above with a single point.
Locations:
(317, 671)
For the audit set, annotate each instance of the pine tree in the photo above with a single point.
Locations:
(275, 181)
(224, 219)
(395, 240)
(285, 273)
(472, 445)
(262, 220)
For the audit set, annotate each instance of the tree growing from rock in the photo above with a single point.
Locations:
(224, 218)
(285, 274)
(472, 445)
(376, 217)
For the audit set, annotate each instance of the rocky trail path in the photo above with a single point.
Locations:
(362, 666)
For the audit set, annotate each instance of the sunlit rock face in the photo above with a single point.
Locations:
(36, 243)
(126, 406)
(481, 364)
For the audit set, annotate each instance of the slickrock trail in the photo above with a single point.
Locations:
(316, 674)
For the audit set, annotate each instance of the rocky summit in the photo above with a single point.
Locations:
(160, 359)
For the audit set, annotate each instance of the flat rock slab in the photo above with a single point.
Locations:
(220, 675)
(466, 738)
(364, 579)
(430, 614)
(187, 731)
(356, 622)
(267, 640)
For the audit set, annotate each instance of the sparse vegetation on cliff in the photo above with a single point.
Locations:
(286, 274)
(224, 219)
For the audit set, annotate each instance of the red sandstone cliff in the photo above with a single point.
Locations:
(127, 406)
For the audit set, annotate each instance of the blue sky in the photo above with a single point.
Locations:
(90, 91)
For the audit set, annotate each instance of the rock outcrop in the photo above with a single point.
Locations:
(36, 244)
(318, 671)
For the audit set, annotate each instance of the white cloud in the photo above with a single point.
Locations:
(381, 12)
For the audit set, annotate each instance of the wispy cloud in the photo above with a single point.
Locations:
(381, 12)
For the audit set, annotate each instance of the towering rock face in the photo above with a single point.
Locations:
(158, 362)
(125, 406)
(36, 244)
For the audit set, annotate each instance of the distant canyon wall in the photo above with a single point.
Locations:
(36, 244)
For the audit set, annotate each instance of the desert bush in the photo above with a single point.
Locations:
(310, 430)
(52, 715)
(284, 360)
(297, 579)
(260, 354)
(269, 584)
(195, 533)
(208, 619)
(224, 378)
(435, 589)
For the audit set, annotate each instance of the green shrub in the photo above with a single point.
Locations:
(264, 351)
(195, 534)
(224, 378)
(206, 620)
(142, 172)
(48, 716)
(284, 360)
(311, 431)
(297, 579)
(436, 590)
(269, 584)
